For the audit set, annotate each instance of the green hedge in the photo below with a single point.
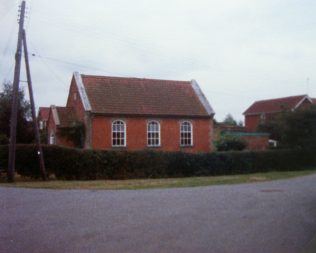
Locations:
(78, 164)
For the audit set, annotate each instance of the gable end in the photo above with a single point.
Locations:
(202, 98)
(302, 101)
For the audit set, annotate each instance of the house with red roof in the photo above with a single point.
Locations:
(266, 110)
(120, 113)
(60, 120)
(43, 113)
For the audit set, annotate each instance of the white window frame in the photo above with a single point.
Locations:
(185, 131)
(120, 131)
(150, 134)
(41, 125)
(262, 117)
(52, 139)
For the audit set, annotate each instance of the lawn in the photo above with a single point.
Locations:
(134, 184)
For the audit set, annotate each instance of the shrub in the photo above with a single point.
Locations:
(3, 139)
(229, 143)
(78, 164)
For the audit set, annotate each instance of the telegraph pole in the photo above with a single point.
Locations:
(15, 101)
(35, 125)
(15, 94)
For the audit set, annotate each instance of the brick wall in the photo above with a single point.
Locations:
(252, 122)
(256, 143)
(74, 101)
(61, 140)
(51, 128)
(136, 134)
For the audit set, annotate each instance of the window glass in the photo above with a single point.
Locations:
(118, 134)
(186, 134)
(153, 134)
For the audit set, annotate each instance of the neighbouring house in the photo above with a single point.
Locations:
(62, 123)
(121, 113)
(266, 110)
(42, 118)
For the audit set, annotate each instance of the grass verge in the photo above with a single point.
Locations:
(134, 184)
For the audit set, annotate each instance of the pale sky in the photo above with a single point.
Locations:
(238, 51)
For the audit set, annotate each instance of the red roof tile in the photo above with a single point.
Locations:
(135, 96)
(43, 113)
(275, 105)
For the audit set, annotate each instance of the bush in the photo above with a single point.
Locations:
(26, 163)
(78, 164)
(229, 143)
(3, 139)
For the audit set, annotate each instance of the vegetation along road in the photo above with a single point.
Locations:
(276, 216)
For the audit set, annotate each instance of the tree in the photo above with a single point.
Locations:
(295, 130)
(273, 127)
(299, 129)
(229, 120)
(24, 126)
(240, 123)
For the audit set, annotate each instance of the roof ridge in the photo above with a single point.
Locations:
(136, 78)
(281, 98)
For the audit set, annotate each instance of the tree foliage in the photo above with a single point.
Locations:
(24, 127)
(75, 133)
(229, 120)
(294, 129)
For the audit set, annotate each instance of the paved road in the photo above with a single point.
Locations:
(278, 216)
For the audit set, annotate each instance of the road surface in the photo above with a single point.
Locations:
(277, 216)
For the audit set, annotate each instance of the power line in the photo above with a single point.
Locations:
(74, 64)
(145, 48)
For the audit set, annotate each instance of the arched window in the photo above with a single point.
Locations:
(186, 134)
(118, 133)
(153, 134)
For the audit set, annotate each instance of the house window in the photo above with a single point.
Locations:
(153, 134)
(262, 118)
(41, 125)
(52, 140)
(118, 134)
(186, 134)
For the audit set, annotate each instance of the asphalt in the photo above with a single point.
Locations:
(267, 217)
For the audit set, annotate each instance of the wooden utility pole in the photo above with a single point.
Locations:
(15, 101)
(35, 125)
(15, 95)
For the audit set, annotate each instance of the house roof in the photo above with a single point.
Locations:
(43, 113)
(63, 116)
(136, 96)
(277, 104)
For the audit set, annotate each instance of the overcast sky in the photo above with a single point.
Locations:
(238, 51)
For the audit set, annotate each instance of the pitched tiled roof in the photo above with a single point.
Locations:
(43, 112)
(275, 105)
(135, 96)
(66, 116)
